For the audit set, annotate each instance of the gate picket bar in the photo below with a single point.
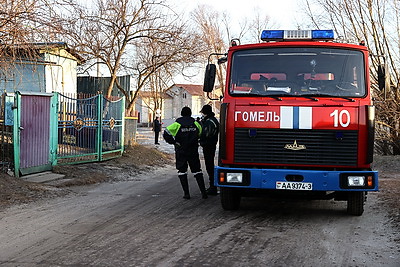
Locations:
(6, 132)
(113, 123)
(89, 129)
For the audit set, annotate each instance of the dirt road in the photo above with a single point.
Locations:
(143, 221)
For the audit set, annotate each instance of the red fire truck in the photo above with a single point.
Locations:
(296, 118)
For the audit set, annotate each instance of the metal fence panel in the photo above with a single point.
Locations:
(78, 125)
(41, 130)
(89, 129)
(6, 132)
(112, 127)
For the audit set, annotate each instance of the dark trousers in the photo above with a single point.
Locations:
(191, 159)
(156, 134)
(185, 158)
(209, 155)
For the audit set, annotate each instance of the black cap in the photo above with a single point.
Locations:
(206, 110)
(186, 111)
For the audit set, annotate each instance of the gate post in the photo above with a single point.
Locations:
(53, 128)
(16, 130)
(123, 126)
(100, 109)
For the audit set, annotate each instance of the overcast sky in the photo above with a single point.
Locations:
(282, 12)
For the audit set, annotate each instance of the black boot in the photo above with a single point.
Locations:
(185, 186)
(202, 186)
(212, 190)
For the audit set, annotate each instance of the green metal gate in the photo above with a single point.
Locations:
(89, 129)
(32, 124)
(33, 139)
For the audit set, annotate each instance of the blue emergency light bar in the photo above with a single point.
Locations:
(279, 35)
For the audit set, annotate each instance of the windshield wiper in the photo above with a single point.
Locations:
(308, 97)
(278, 96)
(326, 95)
(274, 97)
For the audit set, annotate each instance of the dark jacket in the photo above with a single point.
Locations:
(156, 126)
(209, 136)
(184, 133)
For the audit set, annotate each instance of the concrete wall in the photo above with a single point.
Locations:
(130, 131)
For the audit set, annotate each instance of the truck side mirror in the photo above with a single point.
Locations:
(383, 79)
(222, 60)
(209, 78)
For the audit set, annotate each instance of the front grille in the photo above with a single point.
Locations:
(322, 147)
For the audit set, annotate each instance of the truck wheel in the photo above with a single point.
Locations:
(230, 199)
(355, 203)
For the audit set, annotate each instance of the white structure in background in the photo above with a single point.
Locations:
(173, 100)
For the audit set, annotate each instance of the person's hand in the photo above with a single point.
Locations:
(177, 145)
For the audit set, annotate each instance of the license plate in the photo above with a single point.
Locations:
(293, 186)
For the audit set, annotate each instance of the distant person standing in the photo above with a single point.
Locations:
(209, 140)
(184, 134)
(157, 130)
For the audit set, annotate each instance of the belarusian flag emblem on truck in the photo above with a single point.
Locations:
(295, 117)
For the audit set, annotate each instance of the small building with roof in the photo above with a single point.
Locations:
(39, 67)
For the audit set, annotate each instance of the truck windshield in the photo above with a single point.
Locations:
(304, 71)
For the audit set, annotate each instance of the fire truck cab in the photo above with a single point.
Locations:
(296, 118)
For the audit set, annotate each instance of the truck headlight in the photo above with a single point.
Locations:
(234, 177)
(355, 180)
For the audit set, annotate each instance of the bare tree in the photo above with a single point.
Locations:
(210, 26)
(157, 61)
(122, 34)
(259, 23)
(218, 30)
(29, 21)
(104, 32)
(377, 24)
(157, 83)
(22, 24)
(15, 19)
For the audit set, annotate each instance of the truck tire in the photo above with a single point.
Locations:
(230, 198)
(355, 203)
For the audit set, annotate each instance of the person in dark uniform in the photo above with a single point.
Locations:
(209, 140)
(184, 134)
(157, 130)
